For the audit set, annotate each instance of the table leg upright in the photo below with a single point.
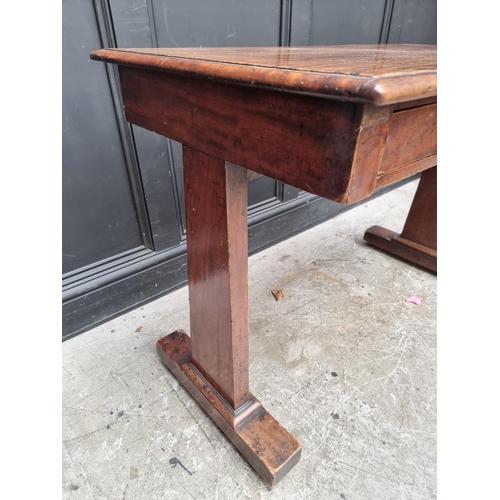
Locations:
(418, 240)
(213, 364)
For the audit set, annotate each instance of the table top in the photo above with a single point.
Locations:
(380, 74)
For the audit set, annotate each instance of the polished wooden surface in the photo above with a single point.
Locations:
(270, 448)
(251, 127)
(328, 147)
(418, 240)
(413, 135)
(421, 223)
(381, 74)
(216, 225)
(338, 122)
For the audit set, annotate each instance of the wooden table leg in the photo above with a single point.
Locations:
(418, 241)
(213, 364)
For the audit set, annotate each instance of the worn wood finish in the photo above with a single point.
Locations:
(379, 74)
(213, 363)
(408, 170)
(370, 143)
(270, 449)
(418, 240)
(335, 139)
(414, 104)
(330, 148)
(412, 136)
(338, 122)
(217, 251)
(421, 224)
(314, 139)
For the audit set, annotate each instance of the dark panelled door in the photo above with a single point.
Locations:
(100, 219)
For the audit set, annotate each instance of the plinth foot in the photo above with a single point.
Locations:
(402, 247)
(271, 450)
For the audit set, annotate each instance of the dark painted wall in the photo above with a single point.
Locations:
(123, 217)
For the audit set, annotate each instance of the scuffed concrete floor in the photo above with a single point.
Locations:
(343, 362)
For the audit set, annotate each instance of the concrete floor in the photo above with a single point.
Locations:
(343, 362)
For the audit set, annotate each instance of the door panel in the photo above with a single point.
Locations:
(99, 213)
(217, 23)
(414, 21)
(336, 22)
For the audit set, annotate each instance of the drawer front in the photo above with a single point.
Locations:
(412, 136)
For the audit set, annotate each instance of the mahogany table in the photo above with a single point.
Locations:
(338, 122)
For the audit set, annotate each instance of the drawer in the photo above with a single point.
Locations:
(412, 137)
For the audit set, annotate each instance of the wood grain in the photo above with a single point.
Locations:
(418, 240)
(303, 141)
(269, 447)
(421, 223)
(406, 171)
(412, 136)
(370, 143)
(217, 248)
(380, 74)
